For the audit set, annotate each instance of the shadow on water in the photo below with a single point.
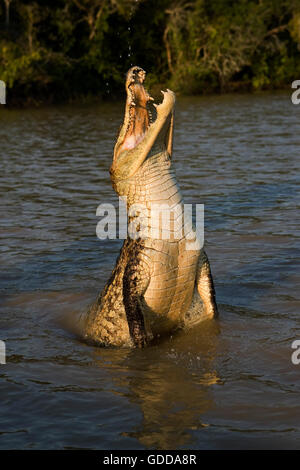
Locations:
(170, 383)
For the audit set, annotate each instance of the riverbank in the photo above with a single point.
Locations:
(119, 95)
(53, 52)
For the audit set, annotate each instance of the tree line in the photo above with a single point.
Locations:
(56, 50)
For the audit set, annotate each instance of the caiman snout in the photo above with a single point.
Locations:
(135, 75)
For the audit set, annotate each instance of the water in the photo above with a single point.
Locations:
(228, 384)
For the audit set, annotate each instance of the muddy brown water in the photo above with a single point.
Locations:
(226, 384)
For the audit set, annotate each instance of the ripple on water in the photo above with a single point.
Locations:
(225, 384)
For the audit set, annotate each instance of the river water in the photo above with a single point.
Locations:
(228, 384)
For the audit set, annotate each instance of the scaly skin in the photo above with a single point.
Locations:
(159, 284)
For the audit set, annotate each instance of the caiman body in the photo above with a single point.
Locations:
(162, 280)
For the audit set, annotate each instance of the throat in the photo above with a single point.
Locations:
(131, 141)
(138, 126)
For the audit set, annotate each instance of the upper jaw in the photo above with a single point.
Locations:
(136, 77)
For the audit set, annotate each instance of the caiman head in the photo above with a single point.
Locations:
(143, 121)
(138, 115)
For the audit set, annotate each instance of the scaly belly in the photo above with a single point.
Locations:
(170, 291)
(172, 265)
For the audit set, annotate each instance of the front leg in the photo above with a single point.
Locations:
(205, 286)
(135, 282)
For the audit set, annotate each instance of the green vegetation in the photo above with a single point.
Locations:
(55, 50)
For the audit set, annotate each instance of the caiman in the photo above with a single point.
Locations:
(159, 284)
